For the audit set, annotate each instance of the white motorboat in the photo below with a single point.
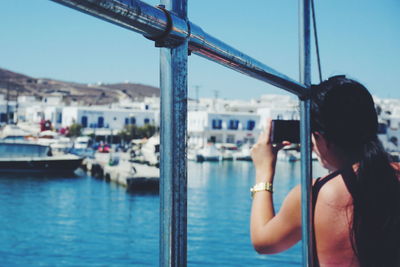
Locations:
(150, 150)
(208, 153)
(82, 142)
(33, 157)
(12, 132)
(227, 150)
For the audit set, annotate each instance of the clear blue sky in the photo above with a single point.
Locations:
(358, 38)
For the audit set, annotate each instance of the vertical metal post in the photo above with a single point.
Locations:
(305, 133)
(173, 167)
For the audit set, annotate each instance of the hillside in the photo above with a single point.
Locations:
(85, 94)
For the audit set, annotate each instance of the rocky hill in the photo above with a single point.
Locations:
(86, 94)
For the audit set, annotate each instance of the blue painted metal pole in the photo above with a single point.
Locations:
(173, 162)
(305, 133)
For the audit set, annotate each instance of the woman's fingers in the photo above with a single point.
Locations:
(278, 147)
(268, 130)
(264, 137)
(286, 143)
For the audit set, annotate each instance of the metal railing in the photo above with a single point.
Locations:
(171, 30)
(305, 133)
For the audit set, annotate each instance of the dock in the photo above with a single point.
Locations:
(117, 168)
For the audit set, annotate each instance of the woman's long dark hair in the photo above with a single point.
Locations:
(343, 111)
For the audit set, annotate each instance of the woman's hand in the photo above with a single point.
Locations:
(264, 155)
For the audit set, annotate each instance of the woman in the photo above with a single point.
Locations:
(356, 207)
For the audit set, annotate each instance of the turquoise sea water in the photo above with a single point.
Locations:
(82, 221)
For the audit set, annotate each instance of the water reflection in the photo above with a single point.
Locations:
(75, 221)
(81, 221)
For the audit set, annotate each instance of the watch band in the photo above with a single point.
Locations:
(261, 187)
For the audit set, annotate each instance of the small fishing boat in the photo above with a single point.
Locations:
(227, 150)
(208, 153)
(33, 157)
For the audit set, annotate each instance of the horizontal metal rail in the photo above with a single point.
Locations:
(169, 30)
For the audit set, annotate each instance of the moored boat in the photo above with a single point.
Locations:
(208, 153)
(227, 150)
(33, 157)
(151, 151)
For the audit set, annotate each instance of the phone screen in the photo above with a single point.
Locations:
(285, 130)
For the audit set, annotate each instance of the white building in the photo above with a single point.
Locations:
(393, 130)
(33, 114)
(148, 103)
(277, 113)
(33, 110)
(221, 127)
(53, 100)
(104, 117)
(6, 106)
(25, 99)
(389, 116)
(55, 115)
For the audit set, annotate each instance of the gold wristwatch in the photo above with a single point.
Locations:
(261, 187)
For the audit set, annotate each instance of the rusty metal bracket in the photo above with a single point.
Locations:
(161, 40)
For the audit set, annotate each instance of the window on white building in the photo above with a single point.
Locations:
(233, 124)
(217, 124)
(250, 125)
(84, 121)
(212, 139)
(100, 122)
(59, 117)
(3, 117)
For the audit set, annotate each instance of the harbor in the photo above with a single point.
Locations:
(106, 148)
(120, 150)
(86, 179)
(78, 220)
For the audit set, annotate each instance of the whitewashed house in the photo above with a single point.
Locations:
(96, 117)
(277, 113)
(389, 119)
(7, 106)
(393, 130)
(54, 114)
(221, 127)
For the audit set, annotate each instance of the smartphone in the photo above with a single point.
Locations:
(285, 130)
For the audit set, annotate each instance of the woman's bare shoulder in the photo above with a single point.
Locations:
(335, 193)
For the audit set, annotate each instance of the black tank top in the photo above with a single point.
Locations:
(348, 178)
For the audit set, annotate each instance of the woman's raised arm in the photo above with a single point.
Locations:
(272, 233)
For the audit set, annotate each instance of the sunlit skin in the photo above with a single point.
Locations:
(272, 233)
